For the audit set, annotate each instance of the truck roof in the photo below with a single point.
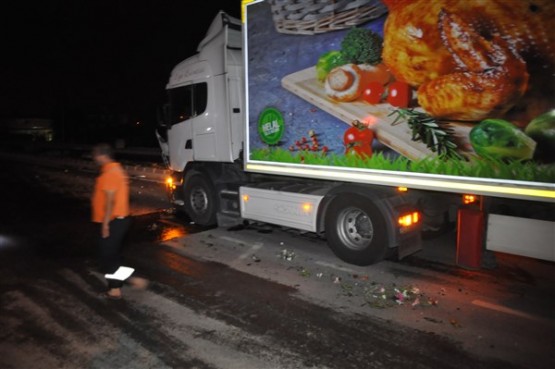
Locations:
(220, 20)
(197, 67)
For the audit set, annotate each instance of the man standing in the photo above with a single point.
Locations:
(110, 209)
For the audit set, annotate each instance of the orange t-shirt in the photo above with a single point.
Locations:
(112, 178)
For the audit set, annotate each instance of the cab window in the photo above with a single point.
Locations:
(187, 102)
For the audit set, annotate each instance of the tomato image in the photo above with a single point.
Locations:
(358, 133)
(358, 140)
(360, 151)
(373, 92)
(399, 94)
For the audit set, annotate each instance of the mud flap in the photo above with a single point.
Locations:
(409, 245)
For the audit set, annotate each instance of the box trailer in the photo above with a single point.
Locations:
(368, 122)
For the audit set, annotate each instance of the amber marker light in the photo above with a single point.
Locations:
(407, 220)
(307, 207)
(415, 217)
(245, 198)
(170, 184)
(402, 189)
(469, 199)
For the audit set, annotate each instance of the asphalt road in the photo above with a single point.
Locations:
(245, 298)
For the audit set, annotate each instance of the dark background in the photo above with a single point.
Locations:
(97, 69)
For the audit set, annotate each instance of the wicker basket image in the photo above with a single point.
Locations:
(307, 17)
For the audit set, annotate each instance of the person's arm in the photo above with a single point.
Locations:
(108, 213)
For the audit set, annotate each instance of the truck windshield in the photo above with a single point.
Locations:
(187, 102)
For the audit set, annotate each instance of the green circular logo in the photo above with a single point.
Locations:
(270, 126)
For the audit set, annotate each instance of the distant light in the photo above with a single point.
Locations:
(6, 242)
(138, 123)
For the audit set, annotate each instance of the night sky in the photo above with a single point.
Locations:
(82, 57)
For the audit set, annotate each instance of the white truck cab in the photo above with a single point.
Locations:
(205, 116)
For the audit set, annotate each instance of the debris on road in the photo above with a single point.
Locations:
(455, 323)
(360, 277)
(377, 295)
(433, 320)
(286, 255)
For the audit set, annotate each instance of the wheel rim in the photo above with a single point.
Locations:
(355, 228)
(199, 200)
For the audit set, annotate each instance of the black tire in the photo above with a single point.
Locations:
(356, 230)
(201, 200)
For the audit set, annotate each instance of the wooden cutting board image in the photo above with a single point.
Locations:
(395, 136)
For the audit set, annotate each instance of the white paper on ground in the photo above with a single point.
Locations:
(121, 274)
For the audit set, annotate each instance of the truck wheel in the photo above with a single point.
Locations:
(200, 200)
(356, 230)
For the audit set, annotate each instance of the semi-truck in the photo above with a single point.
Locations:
(368, 123)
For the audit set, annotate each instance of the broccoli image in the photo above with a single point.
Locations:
(542, 130)
(327, 62)
(499, 139)
(362, 46)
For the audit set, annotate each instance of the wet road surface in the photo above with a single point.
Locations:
(196, 313)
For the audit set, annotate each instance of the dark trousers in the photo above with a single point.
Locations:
(111, 249)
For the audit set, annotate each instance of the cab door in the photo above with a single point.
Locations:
(180, 129)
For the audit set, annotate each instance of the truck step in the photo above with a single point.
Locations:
(228, 219)
(229, 214)
(287, 209)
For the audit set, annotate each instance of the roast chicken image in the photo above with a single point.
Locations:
(474, 59)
